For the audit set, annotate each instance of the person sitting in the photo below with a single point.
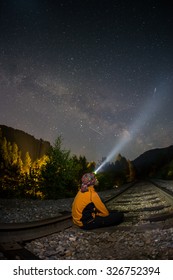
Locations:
(88, 210)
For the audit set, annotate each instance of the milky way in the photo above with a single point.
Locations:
(95, 72)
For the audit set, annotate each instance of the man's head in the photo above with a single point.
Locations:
(88, 179)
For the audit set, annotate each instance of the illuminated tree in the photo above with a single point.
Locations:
(5, 156)
(15, 158)
(27, 164)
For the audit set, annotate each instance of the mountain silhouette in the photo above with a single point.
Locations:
(25, 142)
(151, 161)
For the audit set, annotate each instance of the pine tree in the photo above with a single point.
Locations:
(5, 155)
(56, 173)
(27, 164)
(131, 174)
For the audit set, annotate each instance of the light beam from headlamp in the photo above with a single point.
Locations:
(148, 111)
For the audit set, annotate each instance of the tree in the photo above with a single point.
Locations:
(56, 173)
(9, 168)
(10, 157)
(131, 174)
(5, 156)
(27, 164)
(121, 170)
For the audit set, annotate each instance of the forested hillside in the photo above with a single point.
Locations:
(25, 142)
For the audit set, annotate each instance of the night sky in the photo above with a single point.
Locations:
(98, 73)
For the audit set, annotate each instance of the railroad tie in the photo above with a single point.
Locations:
(15, 251)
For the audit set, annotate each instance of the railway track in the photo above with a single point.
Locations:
(144, 204)
(13, 236)
(20, 232)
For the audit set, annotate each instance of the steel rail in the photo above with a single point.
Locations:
(19, 232)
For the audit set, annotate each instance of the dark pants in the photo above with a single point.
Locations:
(114, 218)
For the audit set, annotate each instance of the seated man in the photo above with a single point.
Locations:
(88, 211)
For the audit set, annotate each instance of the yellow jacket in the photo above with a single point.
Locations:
(86, 206)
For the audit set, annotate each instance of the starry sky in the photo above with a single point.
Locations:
(97, 72)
